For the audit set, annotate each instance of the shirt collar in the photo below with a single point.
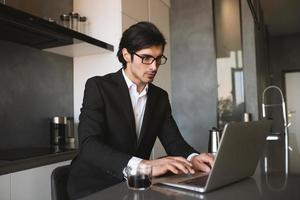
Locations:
(130, 83)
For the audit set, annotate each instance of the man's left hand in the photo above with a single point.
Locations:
(203, 162)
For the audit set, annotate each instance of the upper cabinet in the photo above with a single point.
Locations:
(27, 29)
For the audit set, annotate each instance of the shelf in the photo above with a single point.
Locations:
(23, 28)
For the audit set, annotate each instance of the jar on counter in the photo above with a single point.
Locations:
(65, 20)
(75, 19)
(58, 128)
(83, 25)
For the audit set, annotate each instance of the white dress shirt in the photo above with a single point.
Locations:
(138, 101)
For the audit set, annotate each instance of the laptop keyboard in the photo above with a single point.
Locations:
(198, 181)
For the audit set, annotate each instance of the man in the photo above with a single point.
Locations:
(122, 115)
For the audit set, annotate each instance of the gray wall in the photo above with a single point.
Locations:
(284, 56)
(255, 60)
(34, 86)
(193, 70)
(249, 60)
(265, 60)
(262, 64)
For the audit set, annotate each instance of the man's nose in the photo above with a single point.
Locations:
(154, 66)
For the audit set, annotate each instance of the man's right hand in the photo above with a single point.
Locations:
(174, 164)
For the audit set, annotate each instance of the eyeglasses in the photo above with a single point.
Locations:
(148, 59)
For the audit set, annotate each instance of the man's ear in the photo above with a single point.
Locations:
(126, 55)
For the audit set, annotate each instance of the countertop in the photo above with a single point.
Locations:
(14, 160)
(271, 187)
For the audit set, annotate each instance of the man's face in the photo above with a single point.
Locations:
(139, 72)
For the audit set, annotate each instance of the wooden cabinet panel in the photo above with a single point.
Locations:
(127, 22)
(159, 15)
(136, 9)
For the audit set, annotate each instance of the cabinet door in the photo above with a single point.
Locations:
(5, 187)
(33, 184)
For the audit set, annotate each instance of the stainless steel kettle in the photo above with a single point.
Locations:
(214, 140)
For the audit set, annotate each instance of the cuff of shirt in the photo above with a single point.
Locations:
(133, 163)
(189, 158)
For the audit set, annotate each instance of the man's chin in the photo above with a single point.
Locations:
(150, 80)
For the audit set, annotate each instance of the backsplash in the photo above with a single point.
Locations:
(34, 85)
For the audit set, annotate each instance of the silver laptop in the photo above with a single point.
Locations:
(241, 146)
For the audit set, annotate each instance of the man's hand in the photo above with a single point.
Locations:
(171, 163)
(203, 162)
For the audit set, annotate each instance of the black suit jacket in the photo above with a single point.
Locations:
(107, 135)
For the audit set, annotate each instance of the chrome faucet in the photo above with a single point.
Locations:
(286, 125)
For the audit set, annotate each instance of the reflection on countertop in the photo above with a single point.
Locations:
(256, 187)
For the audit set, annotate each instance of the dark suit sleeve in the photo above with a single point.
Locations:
(92, 134)
(170, 136)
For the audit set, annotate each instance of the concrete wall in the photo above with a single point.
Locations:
(249, 58)
(194, 75)
(284, 56)
(255, 57)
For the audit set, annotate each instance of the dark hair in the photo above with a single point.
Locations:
(140, 36)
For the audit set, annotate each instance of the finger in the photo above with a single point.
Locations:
(172, 168)
(203, 167)
(183, 163)
(169, 167)
(183, 167)
(181, 159)
(207, 158)
(158, 170)
(210, 160)
(210, 155)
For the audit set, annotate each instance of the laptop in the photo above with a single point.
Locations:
(241, 146)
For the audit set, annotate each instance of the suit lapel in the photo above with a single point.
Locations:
(127, 105)
(151, 98)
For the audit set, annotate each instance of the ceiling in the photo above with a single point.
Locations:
(282, 17)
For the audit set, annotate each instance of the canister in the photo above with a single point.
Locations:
(58, 128)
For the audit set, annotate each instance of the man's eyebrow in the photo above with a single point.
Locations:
(145, 54)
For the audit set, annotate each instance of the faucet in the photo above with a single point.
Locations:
(286, 125)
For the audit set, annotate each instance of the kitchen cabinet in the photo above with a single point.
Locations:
(31, 184)
(5, 187)
(23, 28)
